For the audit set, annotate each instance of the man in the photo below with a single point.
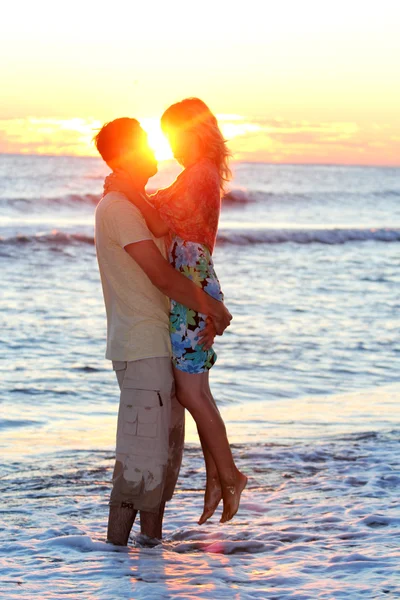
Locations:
(137, 281)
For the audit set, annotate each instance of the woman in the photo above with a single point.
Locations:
(188, 212)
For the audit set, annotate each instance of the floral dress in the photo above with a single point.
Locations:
(191, 207)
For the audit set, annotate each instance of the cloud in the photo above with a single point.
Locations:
(279, 140)
(47, 136)
(250, 139)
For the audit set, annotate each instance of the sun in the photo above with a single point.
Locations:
(157, 140)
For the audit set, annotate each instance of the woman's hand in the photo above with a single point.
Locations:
(119, 181)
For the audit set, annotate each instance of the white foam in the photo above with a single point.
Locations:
(310, 535)
(308, 235)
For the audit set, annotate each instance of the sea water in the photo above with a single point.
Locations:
(307, 379)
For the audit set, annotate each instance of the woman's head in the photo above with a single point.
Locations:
(193, 133)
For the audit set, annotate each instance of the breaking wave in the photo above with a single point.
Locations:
(309, 236)
(235, 237)
(68, 200)
(20, 204)
(51, 238)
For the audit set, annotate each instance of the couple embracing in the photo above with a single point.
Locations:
(163, 301)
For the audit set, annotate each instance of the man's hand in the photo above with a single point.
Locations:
(222, 319)
(175, 285)
(207, 335)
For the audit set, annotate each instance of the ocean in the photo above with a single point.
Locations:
(307, 380)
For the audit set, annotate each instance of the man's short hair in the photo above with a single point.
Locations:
(115, 137)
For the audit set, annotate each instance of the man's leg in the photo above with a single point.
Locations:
(151, 523)
(143, 439)
(120, 518)
(120, 521)
(176, 442)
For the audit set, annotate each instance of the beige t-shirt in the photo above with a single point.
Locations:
(137, 312)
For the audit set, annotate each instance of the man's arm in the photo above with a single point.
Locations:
(177, 286)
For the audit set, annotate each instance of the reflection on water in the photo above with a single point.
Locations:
(26, 431)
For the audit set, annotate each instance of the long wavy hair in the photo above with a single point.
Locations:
(194, 116)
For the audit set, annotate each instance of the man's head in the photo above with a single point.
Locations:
(123, 144)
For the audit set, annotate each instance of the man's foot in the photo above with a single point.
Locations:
(231, 496)
(212, 498)
(144, 541)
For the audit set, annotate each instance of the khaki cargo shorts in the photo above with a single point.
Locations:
(150, 434)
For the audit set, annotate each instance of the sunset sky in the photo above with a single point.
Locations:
(289, 81)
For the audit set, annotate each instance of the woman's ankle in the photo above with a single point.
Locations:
(212, 477)
(231, 478)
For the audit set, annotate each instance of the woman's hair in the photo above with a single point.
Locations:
(193, 115)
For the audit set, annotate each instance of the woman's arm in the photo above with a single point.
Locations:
(155, 223)
(117, 182)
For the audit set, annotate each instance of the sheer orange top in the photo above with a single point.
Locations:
(191, 205)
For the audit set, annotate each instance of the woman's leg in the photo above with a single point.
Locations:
(213, 494)
(194, 393)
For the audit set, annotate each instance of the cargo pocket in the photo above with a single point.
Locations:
(129, 419)
(143, 411)
(148, 418)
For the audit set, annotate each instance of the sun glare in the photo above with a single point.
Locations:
(157, 140)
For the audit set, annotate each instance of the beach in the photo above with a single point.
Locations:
(307, 380)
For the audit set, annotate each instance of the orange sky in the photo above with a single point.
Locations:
(289, 81)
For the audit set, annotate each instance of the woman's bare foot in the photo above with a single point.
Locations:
(212, 498)
(231, 496)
